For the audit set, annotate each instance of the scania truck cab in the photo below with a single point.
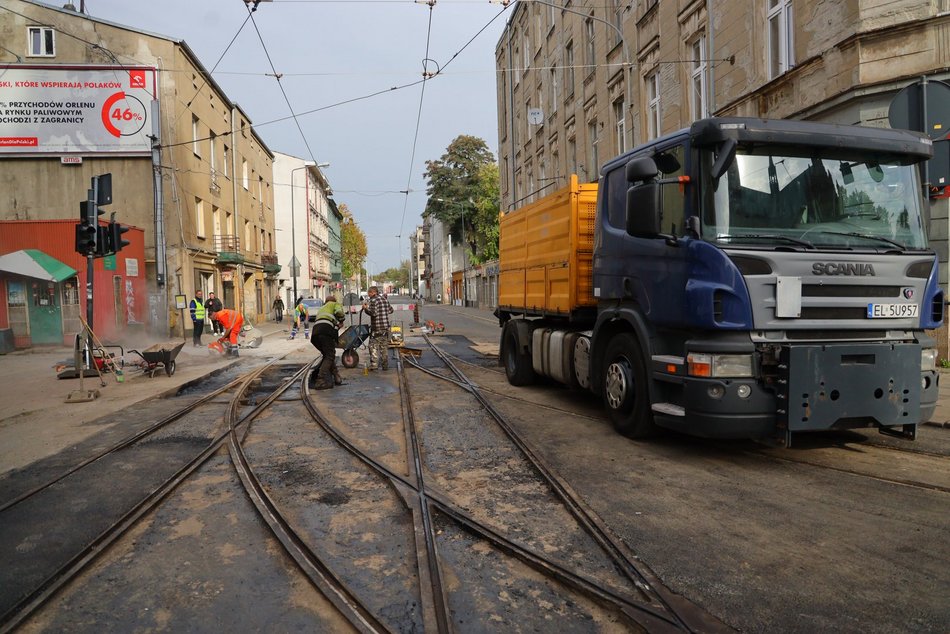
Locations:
(755, 278)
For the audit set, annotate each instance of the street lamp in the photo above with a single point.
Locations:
(294, 263)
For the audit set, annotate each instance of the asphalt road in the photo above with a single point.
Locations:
(843, 532)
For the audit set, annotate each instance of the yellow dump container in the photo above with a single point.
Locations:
(546, 252)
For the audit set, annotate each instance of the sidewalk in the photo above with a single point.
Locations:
(35, 420)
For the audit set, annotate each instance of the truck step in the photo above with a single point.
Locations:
(669, 409)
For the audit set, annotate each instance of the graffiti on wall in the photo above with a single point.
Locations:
(129, 303)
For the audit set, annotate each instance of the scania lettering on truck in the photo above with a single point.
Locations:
(742, 278)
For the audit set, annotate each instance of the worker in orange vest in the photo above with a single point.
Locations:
(231, 321)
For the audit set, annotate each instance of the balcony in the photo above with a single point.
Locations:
(229, 249)
(269, 262)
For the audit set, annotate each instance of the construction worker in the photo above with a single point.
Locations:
(197, 307)
(326, 333)
(231, 321)
(301, 318)
(378, 309)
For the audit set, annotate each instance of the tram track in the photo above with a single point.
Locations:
(71, 563)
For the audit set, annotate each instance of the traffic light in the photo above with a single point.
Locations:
(115, 241)
(86, 230)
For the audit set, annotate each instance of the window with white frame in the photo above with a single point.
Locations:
(780, 40)
(42, 41)
(538, 29)
(589, 58)
(697, 103)
(244, 172)
(553, 91)
(593, 137)
(226, 158)
(620, 126)
(248, 246)
(199, 218)
(195, 147)
(653, 105)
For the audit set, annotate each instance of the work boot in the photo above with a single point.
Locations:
(337, 379)
(321, 385)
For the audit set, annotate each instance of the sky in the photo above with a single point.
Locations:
(331, 51)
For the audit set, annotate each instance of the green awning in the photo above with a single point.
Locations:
(35, 263)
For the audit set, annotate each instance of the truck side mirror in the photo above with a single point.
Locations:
(641, 169)
(643, 209)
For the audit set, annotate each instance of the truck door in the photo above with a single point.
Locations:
(655, 269)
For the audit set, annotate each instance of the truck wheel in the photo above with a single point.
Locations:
(625, 390)
(518, 366)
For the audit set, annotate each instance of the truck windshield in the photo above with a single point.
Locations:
(841, 201)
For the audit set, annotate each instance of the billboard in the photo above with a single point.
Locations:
(69, 109)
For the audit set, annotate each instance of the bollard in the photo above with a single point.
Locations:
(415, 314)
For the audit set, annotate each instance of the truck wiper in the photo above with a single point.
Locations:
(768, 236)
(855, 234)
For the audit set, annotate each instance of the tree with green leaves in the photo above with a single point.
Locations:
(463, 188)
(353, 245)
(398, 275)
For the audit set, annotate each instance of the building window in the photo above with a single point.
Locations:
(594, 139)
(248, 245)
(244, 172)
(526, 50)
(569, 68)
(517, 72)
(617, 10)
(211, 160)
(216, 219)
(781, 44)
(620, 126)
(42, 41)
(226, 157)
(697, 103)
(653, 105)
(199, 218)
(195, 147)
(590, 60)
(572, 155)
(553, 88)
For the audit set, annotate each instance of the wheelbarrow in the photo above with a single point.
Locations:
(350, 339)
(160, 355)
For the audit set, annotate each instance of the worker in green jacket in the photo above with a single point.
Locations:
(326, 333)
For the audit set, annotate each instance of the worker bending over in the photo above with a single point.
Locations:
(231, 321)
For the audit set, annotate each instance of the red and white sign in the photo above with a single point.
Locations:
(65, 109)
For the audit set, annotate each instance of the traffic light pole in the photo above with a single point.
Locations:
(92, 217)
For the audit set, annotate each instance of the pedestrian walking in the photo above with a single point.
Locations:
(301, 318)
(197, 308)
(231, 322)
(326, 333)
(378, 309)
(212, 306)
(279, 310)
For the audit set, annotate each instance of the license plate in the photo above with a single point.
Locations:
(892, 311)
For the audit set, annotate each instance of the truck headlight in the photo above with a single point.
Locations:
(928, 359)
(719, 365)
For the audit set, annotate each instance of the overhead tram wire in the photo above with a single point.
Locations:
(440, 70)
(277, 76)
(426, 76)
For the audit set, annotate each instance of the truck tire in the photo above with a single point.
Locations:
(625, 391)
(517, 363)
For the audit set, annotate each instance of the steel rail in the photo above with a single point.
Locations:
(915, 484)
(122, 444)
(306, 559)
(538, 562)
(441, 604)
(467, 387)
(644, 579)
(24, 608)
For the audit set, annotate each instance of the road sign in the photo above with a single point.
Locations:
(906, 110)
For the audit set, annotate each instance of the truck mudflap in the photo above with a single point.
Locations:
(834, 386)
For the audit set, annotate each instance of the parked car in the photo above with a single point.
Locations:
(313, 304)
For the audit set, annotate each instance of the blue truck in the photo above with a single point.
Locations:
(742, 278)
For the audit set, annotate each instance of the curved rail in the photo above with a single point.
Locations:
(24, 608)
